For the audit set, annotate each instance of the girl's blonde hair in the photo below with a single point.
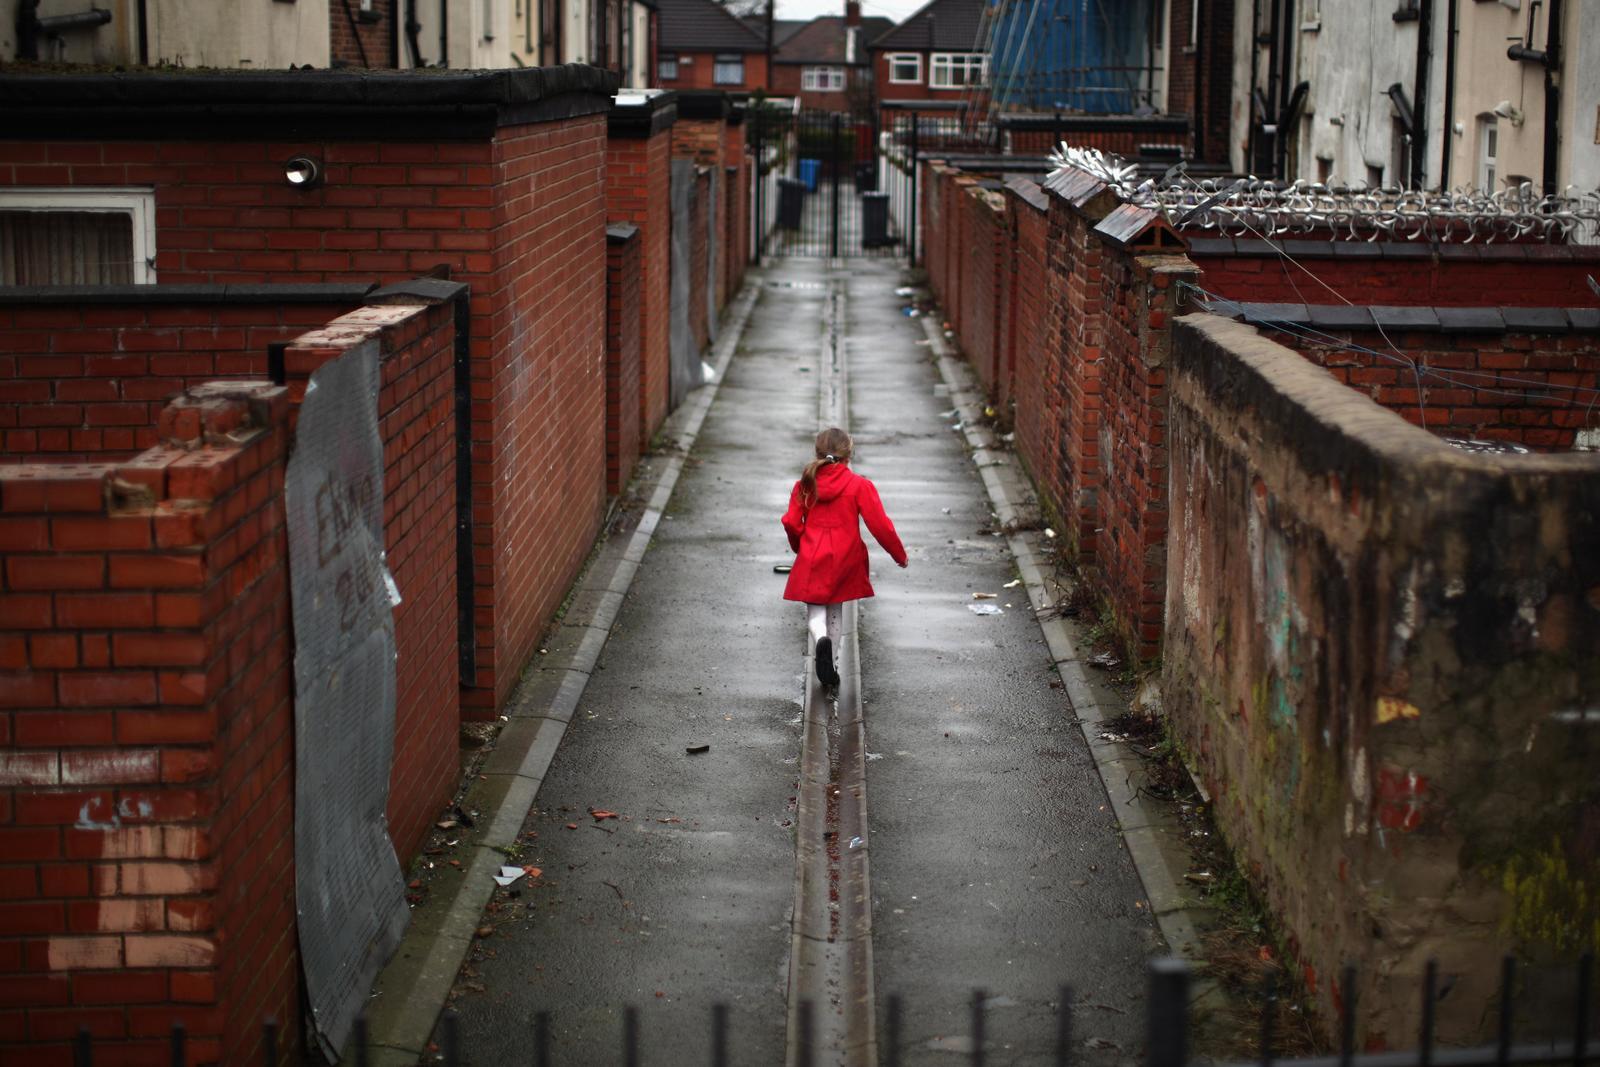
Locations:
(833, 446)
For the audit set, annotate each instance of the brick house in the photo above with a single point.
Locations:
(826, 64)
(701, 45)
(930, 55)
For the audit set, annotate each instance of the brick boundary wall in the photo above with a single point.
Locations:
(1374, 648)
(699, 259)
(366, 43)
(1126, 143)
(1139, 294)
(1530, 376)
(147, 779)
(1028, 299)
(623, 284)
(1397, 273)
(85, 371)
(417, 419)
(490, 176)
(639, 192)
(984, 239)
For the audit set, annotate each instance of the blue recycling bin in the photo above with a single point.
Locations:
(810, 170)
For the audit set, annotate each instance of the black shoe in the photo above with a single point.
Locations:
(826, 673)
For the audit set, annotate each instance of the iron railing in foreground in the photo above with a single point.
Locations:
(1166, 1033)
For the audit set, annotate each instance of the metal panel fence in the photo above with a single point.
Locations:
(1166, 1033)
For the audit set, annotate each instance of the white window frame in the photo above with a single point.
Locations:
(662, 60)
(946, 62)
(1488, 159)
(136, 203)
(721, 62)
(914, 58)
(822, 79)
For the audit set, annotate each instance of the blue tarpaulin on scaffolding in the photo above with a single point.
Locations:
(1090, 56)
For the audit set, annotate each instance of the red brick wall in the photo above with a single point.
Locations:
(1028, 300)
(699, 260)
(539, 392)
(1138, 294)
(498, 215)
(1537, 390)
(623, 289)
(146, 784)
(734, 193)
(88, 381)
(699, 73)
(985, 237)
(416, 416)
(1212, 57)
(1455, 276)
(930, 191)
(1122, 142)
(366, 44)
(639, 191)
(701, 140)
(886, 90)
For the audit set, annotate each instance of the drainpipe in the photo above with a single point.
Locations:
(1250, 109)
(1419, 97)
(394, 36)
(413, 29)
(1447, 128)
(444, 33)
(1552, 100)
(143, 10)
(1199, 82)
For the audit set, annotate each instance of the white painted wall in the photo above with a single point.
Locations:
(1485, 78)
(1580, 97)
(1239, 116)
(1351, 54)
(259, 34)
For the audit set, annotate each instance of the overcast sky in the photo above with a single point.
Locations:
(805, 9)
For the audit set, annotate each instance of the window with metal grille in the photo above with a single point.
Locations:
(77, 237)
(905, 68)
(957, 70)
(728, 70)
(822, 79)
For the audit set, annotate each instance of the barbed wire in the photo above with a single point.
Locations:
(1234, 207)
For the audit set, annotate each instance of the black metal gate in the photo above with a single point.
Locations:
(821, 187)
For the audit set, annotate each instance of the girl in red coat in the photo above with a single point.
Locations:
(823, 524)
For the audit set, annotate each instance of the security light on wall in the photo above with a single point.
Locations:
(302, 172)
(1506, 111)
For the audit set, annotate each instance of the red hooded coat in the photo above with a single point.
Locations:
(830, 566)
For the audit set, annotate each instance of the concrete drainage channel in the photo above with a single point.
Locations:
(831, 1016)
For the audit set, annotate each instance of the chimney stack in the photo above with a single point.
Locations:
(852, 12)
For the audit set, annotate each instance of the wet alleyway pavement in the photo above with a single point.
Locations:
(995, 862)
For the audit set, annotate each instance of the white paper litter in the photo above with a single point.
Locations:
(985, 609)
(508, 875)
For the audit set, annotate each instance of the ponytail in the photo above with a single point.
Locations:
(833, 446)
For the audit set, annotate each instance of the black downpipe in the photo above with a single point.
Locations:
(466, 591)
(1552, 99)
(1251, 146)
(1447, 128)
(143, 9)
(1419, 98)
(444, 33)
(413, 29)
(394, 35)
(355, 31)
(1200, 59)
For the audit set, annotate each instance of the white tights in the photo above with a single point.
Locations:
(823, 621)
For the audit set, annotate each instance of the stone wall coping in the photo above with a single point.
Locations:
(1425, 319)
(340, 105)
(1239, 369)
